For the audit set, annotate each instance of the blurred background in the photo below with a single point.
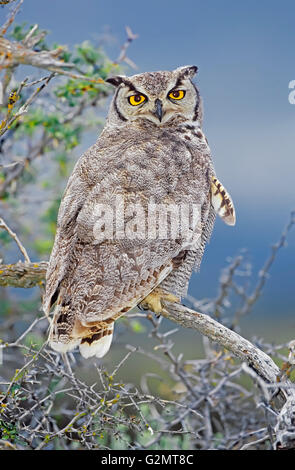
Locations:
(244, 52)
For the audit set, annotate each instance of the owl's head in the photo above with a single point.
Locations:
(160, 97)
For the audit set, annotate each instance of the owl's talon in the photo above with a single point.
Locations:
(154, 300)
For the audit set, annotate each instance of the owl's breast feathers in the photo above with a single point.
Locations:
(94, 280)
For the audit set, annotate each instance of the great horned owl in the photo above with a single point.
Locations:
(152, 148)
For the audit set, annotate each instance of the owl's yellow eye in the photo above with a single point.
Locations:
(137, 99)
(177, 94)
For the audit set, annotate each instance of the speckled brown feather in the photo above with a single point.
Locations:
(222, 202)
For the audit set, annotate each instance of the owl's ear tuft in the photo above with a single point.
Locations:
(116, 80)
(188, 71)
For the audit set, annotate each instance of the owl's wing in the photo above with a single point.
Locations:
(222, 202)
(83, 178)
(96, 281)
(70, 206)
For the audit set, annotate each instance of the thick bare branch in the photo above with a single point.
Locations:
(22, 274)
(14, 53)
(260, 362)
(31, 274)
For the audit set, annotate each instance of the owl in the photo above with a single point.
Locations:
(152, 153)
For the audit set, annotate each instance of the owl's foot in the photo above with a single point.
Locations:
(154, 300)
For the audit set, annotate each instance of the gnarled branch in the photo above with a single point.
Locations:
(260, 362)
(22, 274)
(265, 371)
(32, 274)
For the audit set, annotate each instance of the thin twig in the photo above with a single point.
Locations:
(263, 274)
(16, 239)
(11, 18)
(25, 106)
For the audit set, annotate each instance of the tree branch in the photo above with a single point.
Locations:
(13, 53)
(22, 274)
(260, 362)
(31, 274)
(16, 239)
(264, 371)
(5, 125)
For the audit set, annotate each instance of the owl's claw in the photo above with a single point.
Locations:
(154, 300)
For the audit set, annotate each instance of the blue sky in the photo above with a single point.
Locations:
(245, 59)
(245, 54)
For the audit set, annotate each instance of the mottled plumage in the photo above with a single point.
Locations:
(151, 149)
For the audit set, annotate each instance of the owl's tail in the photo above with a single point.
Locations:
(98, 343)
(65, 335)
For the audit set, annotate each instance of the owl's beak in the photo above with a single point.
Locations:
(159, 109)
